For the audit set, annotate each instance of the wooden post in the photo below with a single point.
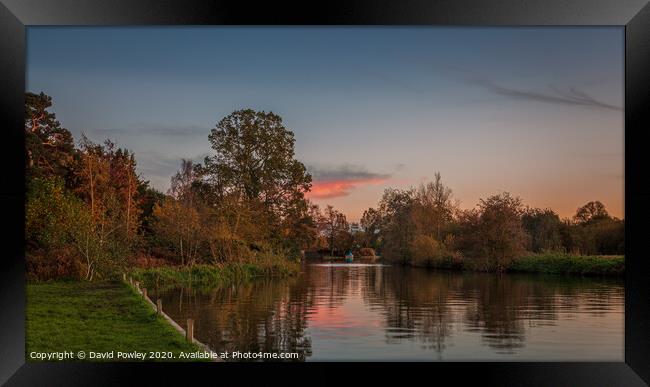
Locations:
(137, 285)
(131, 281)
(144, 292)
(159, 306)
(189, 333)
(124, 277)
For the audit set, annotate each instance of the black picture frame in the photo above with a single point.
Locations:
(634, 15)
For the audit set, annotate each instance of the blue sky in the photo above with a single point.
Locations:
(533, 111)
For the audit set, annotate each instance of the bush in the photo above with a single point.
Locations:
(428, 252)
(146, 261)
(59, 227)
(424, 251)
(366, 252)
(60, 263)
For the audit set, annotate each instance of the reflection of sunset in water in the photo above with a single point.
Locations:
(371, 312)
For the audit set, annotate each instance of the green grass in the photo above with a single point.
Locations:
(560, 263)
(546, 263)
(210, 276)
(98, 316)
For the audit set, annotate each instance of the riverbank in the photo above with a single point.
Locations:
(210, 276)
(544, 263)
(102, 317)
(559, 263)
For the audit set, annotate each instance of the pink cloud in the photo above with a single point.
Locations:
(337, 188)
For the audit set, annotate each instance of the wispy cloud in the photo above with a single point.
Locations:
(554, 95)
(340, 180)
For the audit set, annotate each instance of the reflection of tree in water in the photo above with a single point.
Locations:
(415, 306)
(424, 305)
(496, 311)
(265, 315)
(330, 285)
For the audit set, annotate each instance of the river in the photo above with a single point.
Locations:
(350, 312)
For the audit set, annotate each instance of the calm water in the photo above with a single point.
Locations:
(374, 312)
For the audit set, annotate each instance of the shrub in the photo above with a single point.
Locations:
(60, 227)
(56, 263)
(367, 252)
(146, 261)
(428, 252)
(424, 250)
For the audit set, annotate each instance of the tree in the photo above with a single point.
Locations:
(92, 176)
(335, 228)
(299, 229)
(591, 212)
(179, 220)
(49, 148)
(124, 182)
(371, 223)
(180, 226)
(397, 226)
(594, 231)
(254, 175)
(56, 221)
(501, 234)
(466, 232)
(545, 229)
(254, 156)
(104, 177)
(183, 181)
(148, 198)
(433, 208)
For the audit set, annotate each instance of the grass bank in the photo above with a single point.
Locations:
(98, 316)
(559, 263)
(208, 276)
(547, 263)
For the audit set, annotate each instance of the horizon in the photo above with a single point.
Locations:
(370, 108)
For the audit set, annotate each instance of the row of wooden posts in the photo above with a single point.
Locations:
(189, 332)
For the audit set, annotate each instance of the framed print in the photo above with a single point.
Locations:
(452, 189)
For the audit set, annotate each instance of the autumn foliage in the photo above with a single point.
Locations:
(90, 215)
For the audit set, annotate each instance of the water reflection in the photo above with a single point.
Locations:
(374, 312)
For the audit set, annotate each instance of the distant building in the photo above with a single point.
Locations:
(355, 228)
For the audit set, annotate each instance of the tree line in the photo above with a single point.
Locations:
(424, 226)
(89, 214)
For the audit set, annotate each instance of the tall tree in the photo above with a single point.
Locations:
(179, 220)
(335, 227)
(254, 156)
(124, 182)
(501, 234)
(371, 222)
(254, 175)
(105, 179)
(49, 148)
(544, 228)
(591, 212)
(181, 227)
(149, 197)
(433, 208)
